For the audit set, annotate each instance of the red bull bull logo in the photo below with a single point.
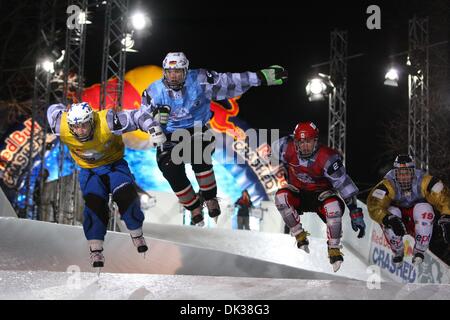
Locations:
(221, 119)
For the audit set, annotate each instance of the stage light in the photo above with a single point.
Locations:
(139, 21)
(48, 66)
(319, 87)
(391, 78)
(82, 18)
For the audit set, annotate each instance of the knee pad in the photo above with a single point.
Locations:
(332, 208)
(124, 196)
(333, 213)
(287, 211)
(423, 218)
(423, 213)
(98, 205)
(395, 242)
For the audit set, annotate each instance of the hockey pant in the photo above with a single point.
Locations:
(172, 160)
(327, 205)
(96, 185)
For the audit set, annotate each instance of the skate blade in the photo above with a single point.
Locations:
(336, 266)
(304, 248)
(215, 219)
(398, 264)
(98, 271)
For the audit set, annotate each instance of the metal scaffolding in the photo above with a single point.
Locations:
(72, 92)
(418, 113)
(337, 117)
(63, 85)
(42, 94)
(114, 54)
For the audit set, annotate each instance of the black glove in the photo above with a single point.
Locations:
(272, 76)
(395, 223)
(161, 114)
(444, 223)
(358, 221)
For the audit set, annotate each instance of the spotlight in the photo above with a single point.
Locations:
(391, 78)
(82, 18)
(319, 87)
(48, 66)
(139, 21)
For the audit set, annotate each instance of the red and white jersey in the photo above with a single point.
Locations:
(324, 170)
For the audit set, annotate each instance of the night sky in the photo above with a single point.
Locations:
(248, 35)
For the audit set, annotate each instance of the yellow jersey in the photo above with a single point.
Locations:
(387, 193)
(104, 147)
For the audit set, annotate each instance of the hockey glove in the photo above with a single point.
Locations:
(444, 223)
(358, 221)
(161, 114)
(274, 75)
(395, 223)
(157, 136)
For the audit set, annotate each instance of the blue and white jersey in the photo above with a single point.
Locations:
(191, 105)
(410, 198)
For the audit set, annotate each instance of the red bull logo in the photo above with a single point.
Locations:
(221, 119)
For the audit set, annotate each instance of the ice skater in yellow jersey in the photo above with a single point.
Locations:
(95, 143)
(403, 203)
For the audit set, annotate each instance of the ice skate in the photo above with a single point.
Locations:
(197, 217)
(139, 243)
(213, 208)
(96, 254)
(97, 259)
(336, 258)
(302, 241)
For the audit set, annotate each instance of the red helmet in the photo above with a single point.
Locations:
(306, 131)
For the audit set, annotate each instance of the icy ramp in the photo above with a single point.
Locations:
(271, 247)
(33, 245)
(6, 210)
(60, 285)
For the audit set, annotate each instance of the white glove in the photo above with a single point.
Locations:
(157, 136)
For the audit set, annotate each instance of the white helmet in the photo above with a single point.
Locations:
(80, 113)
(175, 60)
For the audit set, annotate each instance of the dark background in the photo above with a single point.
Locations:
(248, 35)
